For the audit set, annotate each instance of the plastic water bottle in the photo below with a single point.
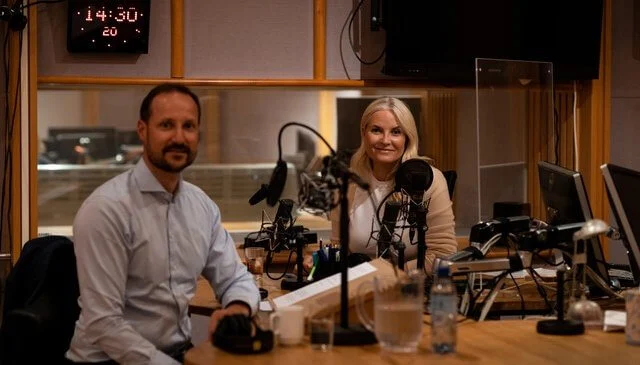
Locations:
(444, 310)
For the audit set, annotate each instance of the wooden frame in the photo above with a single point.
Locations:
(594, 105)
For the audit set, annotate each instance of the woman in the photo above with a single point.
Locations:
(389, 137)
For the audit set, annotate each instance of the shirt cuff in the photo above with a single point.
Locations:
(249, 300)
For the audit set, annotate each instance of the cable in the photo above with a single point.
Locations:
(522, 310)
(286, 268)
(556, 135)
(353, 48)
(41, 2)
(346, 21)
(575, 129)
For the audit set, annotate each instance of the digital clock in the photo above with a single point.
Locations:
(108, 26)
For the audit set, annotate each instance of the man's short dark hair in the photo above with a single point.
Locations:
(145, 107)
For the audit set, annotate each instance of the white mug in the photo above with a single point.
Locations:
(287, 324)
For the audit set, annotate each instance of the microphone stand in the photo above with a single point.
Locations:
(345, 334)
(291, 283)
(421, 226)
(400, 246)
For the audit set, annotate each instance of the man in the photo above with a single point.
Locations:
(141, 241)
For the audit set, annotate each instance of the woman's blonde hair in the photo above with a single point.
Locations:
(360, 162)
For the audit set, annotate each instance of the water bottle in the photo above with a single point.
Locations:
(444, 310)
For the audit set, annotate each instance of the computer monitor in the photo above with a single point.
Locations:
(565, 198)
(624, 197)
(97, 143)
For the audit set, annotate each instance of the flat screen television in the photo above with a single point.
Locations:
(438, 40)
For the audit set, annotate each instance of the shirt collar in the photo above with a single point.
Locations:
(147, 182)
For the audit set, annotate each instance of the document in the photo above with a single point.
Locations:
(323, 285)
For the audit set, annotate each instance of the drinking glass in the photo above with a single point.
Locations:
(321, 333)
(255, 262)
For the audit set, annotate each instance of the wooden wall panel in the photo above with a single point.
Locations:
(440, 129)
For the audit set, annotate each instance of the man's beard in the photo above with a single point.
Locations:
(159, 161)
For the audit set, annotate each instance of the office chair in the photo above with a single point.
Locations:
(450, 176)
(41, 303)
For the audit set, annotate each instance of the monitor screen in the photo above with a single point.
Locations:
(566, 201)
(79, 145)
(624, 197)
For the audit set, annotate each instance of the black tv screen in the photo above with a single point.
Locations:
(440, 39)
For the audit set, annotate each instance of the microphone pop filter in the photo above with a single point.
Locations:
(414, 176)
(276, 184)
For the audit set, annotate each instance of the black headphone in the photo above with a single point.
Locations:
(233, 334)
(17, 20)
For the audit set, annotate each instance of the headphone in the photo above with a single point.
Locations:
(17, 20)
(233, 334)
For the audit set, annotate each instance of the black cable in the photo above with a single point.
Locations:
(556, 131)
(286, 269)
(344, 66)
(8, 163)
(333, 152)
(41, 2)
(353, 48)
(519, 294)
(541, 290)
(8, 168)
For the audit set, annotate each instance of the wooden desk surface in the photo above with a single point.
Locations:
(490, 342)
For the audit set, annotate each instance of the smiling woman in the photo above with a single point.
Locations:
(389, 137)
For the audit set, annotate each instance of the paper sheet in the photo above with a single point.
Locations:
(327, 283)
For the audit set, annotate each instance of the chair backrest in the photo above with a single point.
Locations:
(450, 176)
(41, 303)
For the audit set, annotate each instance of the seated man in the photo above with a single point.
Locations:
(141, 241)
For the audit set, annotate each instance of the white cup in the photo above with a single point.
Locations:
(287, 324)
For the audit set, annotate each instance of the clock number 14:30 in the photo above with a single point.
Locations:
(130, 15)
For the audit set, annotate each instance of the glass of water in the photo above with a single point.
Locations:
(398, 304)
(321, 333)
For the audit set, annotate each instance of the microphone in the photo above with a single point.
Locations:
(316, 189)
(276, 184)
(414, 177)
(283, 214)
(259, 195)
(385, 237)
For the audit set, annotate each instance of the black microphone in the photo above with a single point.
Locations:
(385, 237)
(276, 184)
(414, 177)
(259, 195)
